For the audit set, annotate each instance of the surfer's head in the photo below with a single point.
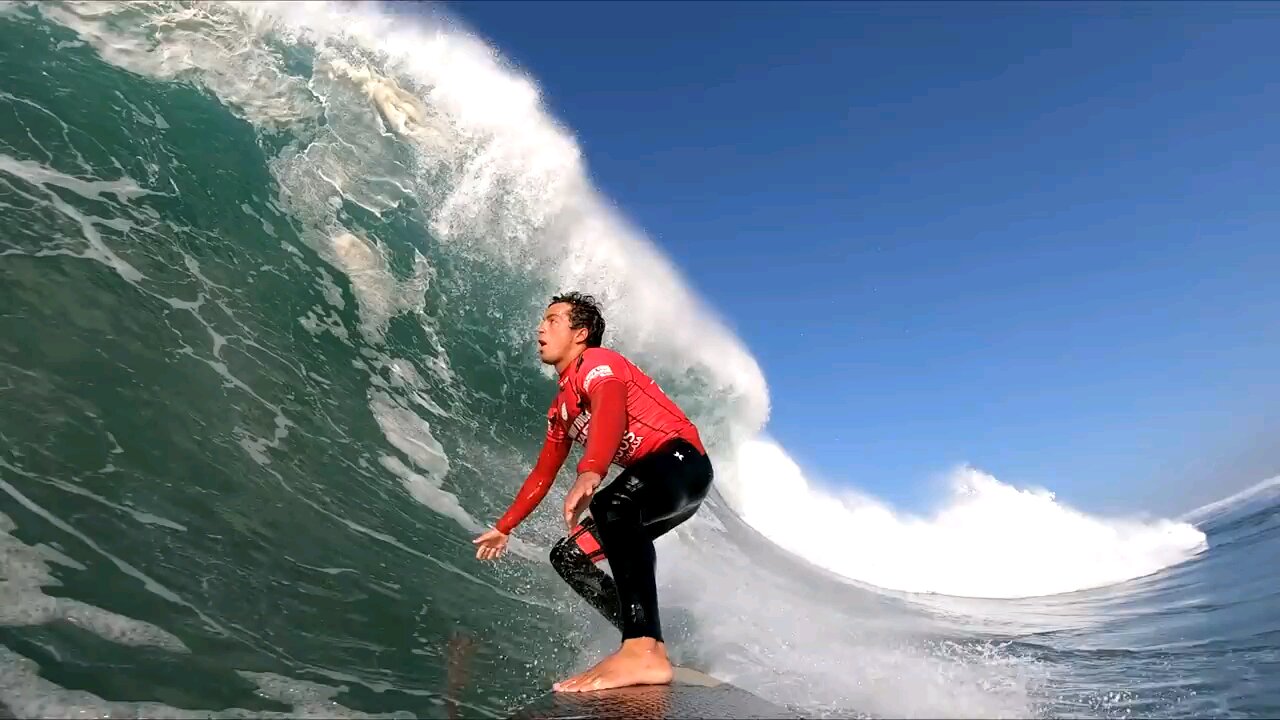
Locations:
(571, 324)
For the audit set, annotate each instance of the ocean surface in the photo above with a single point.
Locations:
(269, 276)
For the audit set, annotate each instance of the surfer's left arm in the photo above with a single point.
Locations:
(608, 398)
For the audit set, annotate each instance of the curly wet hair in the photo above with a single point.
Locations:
(584, 312)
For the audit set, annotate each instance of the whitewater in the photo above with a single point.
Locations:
(270, 277)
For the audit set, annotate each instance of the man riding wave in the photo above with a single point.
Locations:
(621, 417)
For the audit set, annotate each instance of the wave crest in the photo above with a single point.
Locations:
(989, 539)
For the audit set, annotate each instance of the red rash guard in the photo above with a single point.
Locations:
(611, 407)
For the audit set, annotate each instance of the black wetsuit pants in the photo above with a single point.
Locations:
(648, 499)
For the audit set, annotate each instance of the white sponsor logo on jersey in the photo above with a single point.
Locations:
(578, 430)
(581, 429)
(599, 371)
(630, 442)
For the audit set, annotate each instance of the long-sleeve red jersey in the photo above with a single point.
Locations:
(614, 410)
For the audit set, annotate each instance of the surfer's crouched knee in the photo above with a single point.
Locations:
(565, 555)
(578, 551)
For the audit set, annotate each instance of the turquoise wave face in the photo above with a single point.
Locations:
(226, 460)
(268, 366)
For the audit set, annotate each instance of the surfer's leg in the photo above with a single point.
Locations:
(657, 529)
(574, 557)
(647, 500)
(577, 557)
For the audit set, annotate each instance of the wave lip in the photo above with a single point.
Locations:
(989, 539)
(1267, 491)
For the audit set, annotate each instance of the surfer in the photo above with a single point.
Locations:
(621, 417)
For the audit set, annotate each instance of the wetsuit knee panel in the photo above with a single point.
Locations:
(579, 548)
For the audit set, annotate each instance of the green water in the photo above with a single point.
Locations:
(188, 411)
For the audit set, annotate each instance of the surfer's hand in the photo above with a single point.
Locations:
(492, 545)
(579, 497)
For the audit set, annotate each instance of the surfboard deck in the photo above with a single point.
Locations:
(691, 694)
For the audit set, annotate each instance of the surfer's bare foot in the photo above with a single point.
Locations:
(640, 661)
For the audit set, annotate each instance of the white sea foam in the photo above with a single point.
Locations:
(43, 178)
(25, 569)
(409, 433)
(990, 539)
(381, 296)
(28, 695)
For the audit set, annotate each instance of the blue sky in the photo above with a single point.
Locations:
(1042, 239)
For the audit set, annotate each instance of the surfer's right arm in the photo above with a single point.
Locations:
(534, 489)
(536, 485)
(555, 448)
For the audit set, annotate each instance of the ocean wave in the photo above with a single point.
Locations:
(989, 539)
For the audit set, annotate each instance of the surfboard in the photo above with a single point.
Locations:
(691, 694)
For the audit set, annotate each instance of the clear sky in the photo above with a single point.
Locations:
(1043, 239)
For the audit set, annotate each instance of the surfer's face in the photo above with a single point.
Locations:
(556, 340)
